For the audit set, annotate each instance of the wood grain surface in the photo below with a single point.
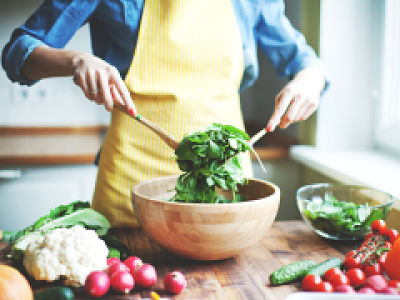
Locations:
(242, 277)
(205, 231)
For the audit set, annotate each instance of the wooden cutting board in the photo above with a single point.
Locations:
(242, 277)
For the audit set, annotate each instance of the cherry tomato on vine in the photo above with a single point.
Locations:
(351, 262)
(387, 245)
(392, 235)
(356, 277)
(379, 226)
(374, 269)
(368, 236)
(310, 283)
(351, 253)
(382, 260)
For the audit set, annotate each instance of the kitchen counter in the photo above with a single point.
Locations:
(242, 277)
(62, 145)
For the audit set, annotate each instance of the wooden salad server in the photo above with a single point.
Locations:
(166, 137)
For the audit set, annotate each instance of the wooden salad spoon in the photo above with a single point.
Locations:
(166, 137)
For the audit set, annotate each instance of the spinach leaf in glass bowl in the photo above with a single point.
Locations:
(340, 211)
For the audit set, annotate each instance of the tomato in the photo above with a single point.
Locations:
(332, 272)
(97, 284)
(395, 284)
(339, 279)
(351, 253)
(310, 283)
(379, 226)
(351, 262)
(393, 261)
(382, 260)
(392, 235)
(356, 277)
(174, 282)
(374, 269)
(324, 287)
(368, 237)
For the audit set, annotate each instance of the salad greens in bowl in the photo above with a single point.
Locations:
(342, 212)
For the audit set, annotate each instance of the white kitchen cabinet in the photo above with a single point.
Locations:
(26, 193)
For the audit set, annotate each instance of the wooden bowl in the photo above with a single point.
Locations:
(205, 231)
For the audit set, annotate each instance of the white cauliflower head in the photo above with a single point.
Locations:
(70, 253)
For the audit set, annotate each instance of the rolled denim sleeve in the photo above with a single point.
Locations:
(283, 44)
(53, 24)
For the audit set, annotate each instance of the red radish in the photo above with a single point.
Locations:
(366, 290)
(133, 262)
(97, 284)
(344, 289)
(145, 276)
(174, 282)
(122, 282)
(112, 260)
(116, 267)
(376, 282)
(389, 290)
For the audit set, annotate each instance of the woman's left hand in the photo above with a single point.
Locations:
(298, 99)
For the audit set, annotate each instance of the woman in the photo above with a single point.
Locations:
(180, 63)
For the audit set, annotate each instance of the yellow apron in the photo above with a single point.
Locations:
(185, 75)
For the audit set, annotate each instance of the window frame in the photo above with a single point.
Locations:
(387, 123)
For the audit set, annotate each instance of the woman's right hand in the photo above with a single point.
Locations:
(101, 82)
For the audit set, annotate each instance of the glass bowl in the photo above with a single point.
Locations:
(342, 212)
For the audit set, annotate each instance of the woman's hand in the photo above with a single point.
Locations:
(298, 99)
(101, 82)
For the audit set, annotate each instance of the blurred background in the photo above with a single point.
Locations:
(50, 134)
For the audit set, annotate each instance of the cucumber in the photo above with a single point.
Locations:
(58, 292)
(321, 268)
(291, 272)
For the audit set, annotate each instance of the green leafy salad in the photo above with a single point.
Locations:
(340, 218)
(209, 160)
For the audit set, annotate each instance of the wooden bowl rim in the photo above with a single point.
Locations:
(204, 205)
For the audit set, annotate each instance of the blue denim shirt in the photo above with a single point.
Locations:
(114, 26)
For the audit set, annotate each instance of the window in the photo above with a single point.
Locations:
(387, 130)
